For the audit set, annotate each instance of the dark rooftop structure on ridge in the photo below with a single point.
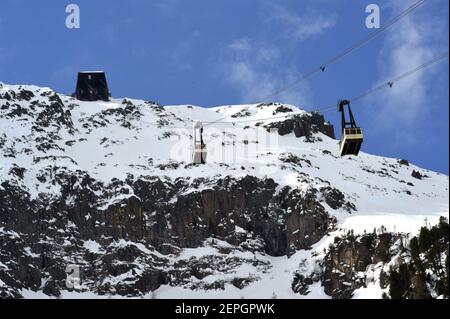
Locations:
(92, 86)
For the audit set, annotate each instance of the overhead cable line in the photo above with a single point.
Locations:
(350, 49)
(388, 84)
(374, 34)
(391, 82)
(343, 53)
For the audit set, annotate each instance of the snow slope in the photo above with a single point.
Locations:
(152, 140)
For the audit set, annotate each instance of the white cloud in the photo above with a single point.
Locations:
(168, 7)
(64, 73)
(259, 52)
(250, 67)
(410, 44)
(255, 67)
(109, 33)
(4, 56)
(240, 46)
(304, 26)
(181, 55)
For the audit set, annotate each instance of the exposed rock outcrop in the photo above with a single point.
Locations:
(159, 215)
(304, 126)
(403, 266)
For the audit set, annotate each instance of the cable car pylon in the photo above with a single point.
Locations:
(352, 137)
(199, 155)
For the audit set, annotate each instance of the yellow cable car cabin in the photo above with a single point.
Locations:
(352, 136)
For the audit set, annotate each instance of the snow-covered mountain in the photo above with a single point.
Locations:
(109, 187)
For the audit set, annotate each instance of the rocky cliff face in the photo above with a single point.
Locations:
(160, 217)
(399, 265)
(102, 188)
(304, 126)
(403, 266)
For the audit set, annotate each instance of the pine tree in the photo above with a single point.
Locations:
(414, 246)
(444, 228)
(399, 282)
(424, 239)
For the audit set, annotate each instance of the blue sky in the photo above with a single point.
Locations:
(223, 52)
